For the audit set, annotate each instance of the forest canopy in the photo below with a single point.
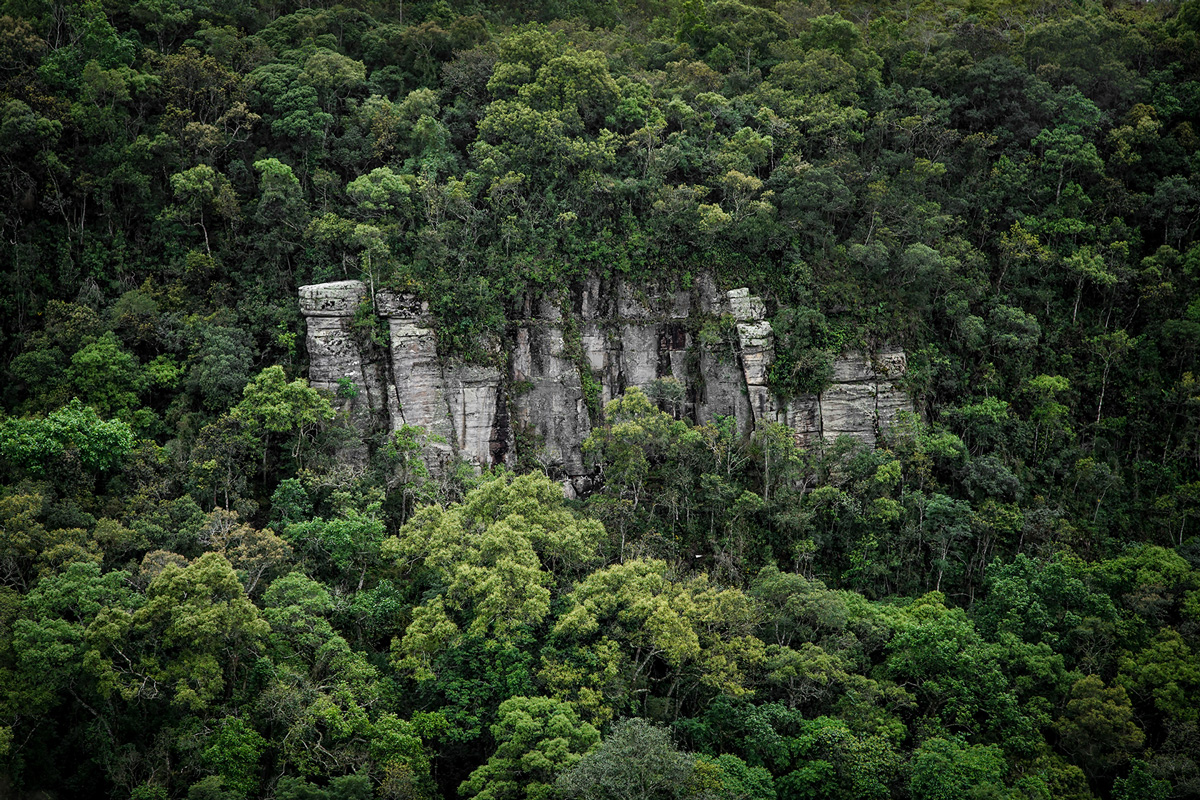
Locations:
(200, 599)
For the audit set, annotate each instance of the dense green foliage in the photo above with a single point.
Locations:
(1001, 601)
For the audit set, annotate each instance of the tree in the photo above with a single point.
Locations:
(1098, 726)
(272, 405)
(736, 780)
(955, 677)
(73, 432)
(233, 751)
(351, 541)
(282, 213)
(947, 523)
(637, 761)
(221, 457)
(1111, 348)
(493, 559)
(333, 75)
(1065, 153)
(747, 31)
(381, 193)
(218, 364)
(824, 758)
(319, 691)
(200, 192)
(107, 376)
(187, 641)
(1038, 601)
(804, 351)
(537, 740)
(410, 477)
(343, 787)
(948, 769)
(22, 534)
(1167, 672)
(253, 553)
(1140, 784)
(693, 634)
(51, 637)
(643, 455)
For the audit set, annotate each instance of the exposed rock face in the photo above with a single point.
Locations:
(341, 361)
(549, 407)
(863, 399)
(461, 406)
(757, 346)
(701, 353)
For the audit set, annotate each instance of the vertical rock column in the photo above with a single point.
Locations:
(888, 367)
(403, 380)
(862, 400)
(721, 389)
(757, 344)
(601, 352)
(649, 338)
(847, 407)
(417, 394)
(478, 413)
(337, 357)
(639, 337)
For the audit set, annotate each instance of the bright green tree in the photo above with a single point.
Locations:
(537, 739)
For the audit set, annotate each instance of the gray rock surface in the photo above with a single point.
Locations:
(610, 333)
(418, 384)
(757, 350)
(548, 405)
(473, 395)
(865, 398)
(339, 358)
(338, 299)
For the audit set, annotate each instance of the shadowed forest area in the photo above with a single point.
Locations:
(199, 599)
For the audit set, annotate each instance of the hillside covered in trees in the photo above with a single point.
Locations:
(199, 599)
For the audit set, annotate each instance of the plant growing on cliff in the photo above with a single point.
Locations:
(409, 477)
(369, 326)
(719, 336)
(530, 448)
(588, 384)
(805, 348)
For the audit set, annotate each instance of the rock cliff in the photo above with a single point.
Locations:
(700, 352)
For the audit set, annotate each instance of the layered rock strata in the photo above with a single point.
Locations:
(699, 352)
(864, 397)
